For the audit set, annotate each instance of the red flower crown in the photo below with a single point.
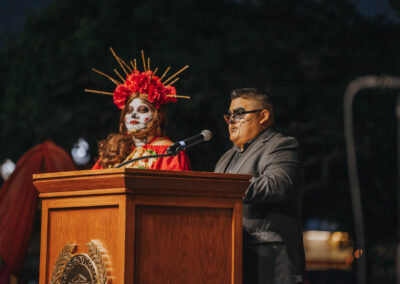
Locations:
(145, 82)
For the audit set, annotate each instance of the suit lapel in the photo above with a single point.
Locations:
(221, 167)
(253, 148)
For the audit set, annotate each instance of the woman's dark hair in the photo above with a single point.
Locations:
(114, 149)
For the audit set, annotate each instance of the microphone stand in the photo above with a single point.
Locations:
(398, 190)
(147, 157)
(170, 153)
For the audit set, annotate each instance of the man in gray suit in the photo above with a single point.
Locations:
(272, 240)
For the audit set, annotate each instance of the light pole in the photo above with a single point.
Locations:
(366, 82)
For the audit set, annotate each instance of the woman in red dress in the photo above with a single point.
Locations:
(143, 98)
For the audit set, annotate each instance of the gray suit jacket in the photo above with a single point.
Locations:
(272, 203)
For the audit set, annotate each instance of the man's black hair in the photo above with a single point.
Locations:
(252, 93)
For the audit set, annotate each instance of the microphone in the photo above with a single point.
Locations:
(205, 135)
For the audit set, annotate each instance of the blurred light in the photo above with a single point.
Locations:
(349, 259)
(328, 250)
(358, 253)
(341, 238)
(7, 169)
(80, 152)
(317, 235)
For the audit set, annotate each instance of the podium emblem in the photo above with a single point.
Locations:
(79, 268)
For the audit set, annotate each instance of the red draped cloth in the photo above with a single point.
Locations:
(18, 205)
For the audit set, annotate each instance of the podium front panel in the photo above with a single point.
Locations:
(141, 226)
(183, 244)
(98, 219)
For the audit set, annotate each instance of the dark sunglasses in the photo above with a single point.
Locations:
(236, 116)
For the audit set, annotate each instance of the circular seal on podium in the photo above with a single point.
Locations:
(79, 268)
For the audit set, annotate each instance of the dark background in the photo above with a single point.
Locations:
(304, 53)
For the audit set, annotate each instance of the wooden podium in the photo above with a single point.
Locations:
(141, 226)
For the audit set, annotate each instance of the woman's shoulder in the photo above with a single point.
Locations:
(162, 141)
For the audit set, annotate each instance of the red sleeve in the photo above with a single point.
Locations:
(97, 166)
(179, 162)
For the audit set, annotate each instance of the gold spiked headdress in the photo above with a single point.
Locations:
(159, 92)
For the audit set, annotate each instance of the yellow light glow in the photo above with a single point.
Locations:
(317, 235)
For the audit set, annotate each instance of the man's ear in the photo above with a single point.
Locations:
(264, 116)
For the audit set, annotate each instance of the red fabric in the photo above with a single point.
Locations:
(18, 199)
(179, 162)
(5, 274)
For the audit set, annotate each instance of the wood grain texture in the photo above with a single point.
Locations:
(156, 226)
(183, 245)
(80, 221)
(237, 239)
(43, 273)
(129, 267)
(137, 172)
(136, 181)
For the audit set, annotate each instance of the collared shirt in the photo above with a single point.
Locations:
(239, 153)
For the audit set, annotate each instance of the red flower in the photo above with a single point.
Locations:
(121, 93)
(144, 83)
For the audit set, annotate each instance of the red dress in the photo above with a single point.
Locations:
(179, 162)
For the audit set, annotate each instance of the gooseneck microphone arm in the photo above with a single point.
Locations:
(175, 148)
(146, 157)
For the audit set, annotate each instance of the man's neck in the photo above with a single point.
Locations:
(243, 147)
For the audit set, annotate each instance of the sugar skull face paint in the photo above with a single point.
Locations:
(139, 116)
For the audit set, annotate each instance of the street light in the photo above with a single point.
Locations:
(7, 169)
(80, 152)
(366, 82)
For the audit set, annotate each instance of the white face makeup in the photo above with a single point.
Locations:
(139, 116)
